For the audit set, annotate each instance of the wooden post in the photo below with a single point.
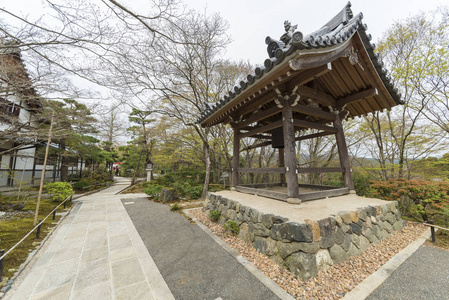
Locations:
(235, 159)
(343, 154)
(290, 155)
(281, 165)
(36, 213)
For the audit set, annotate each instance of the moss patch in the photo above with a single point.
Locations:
(15, 225)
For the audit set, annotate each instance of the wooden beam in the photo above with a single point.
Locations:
(261, 136)
(259, 116)
(321, 170)
(323, 98)
(262, 129)
(307, 76)
(314, 135)
(258, 145)
(315, 112)
(307, 124)
(357, 97)
(261, 170)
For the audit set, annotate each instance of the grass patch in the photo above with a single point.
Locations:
(15, 225)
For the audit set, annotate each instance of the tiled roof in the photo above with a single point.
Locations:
(337, 31)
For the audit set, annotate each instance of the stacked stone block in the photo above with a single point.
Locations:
(309, 248)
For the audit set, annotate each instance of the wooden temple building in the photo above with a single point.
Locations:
(312, 81)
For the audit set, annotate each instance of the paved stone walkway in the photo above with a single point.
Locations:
(95, 253)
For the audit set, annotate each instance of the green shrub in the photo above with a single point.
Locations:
(175, 207)
(59, 191)
(153, 190)
(214, 215)
(80, 185)
(232, 226)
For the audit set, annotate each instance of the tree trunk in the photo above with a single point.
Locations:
(208, 168)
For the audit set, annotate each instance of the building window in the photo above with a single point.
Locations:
(8, 108)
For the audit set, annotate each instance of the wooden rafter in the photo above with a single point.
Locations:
(307, 76)
(261, 129)
(357, 97)
(307, 124)
(315, 112)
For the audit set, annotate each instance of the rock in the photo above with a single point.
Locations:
(345, 216)
(327, 242)
(339, 236)
(368, 222)
(286, 249)
(363, 215)
(244, 233)
(371, 237)
(377, 232)
(300, 232)
(353, 250)
(388, 227)
(398, 225)
(364, 244)
(347, 242)
(390, 218)
(338, 220)
(337, 254)
(303, 265)
(323, 260)
(231, 214)
(356, 228)
(314, 226)
(279, 220)
(327, 226)
(167, 195)
(254, 215)
(345, 227)
(261, 230)
(291, 231)
(237, 207)
(221, 220)
(385, 209)
(394, 206)
(238, 218)
(265, 246)
(267, 220)
(354, 216)
(384, 234)
(373, 220)
(356, 240)
(278, 259)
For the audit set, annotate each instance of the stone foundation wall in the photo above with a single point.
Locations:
(309, 248)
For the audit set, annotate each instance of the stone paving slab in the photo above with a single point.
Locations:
(95, 253)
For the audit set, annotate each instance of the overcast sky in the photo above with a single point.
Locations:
(252, 20)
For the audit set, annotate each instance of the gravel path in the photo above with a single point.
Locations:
(331, 284)
(417, 280)
(193, 265)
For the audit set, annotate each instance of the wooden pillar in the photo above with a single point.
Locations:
(290, 155)
(343, 153)
(281, 165)
(235, 159)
